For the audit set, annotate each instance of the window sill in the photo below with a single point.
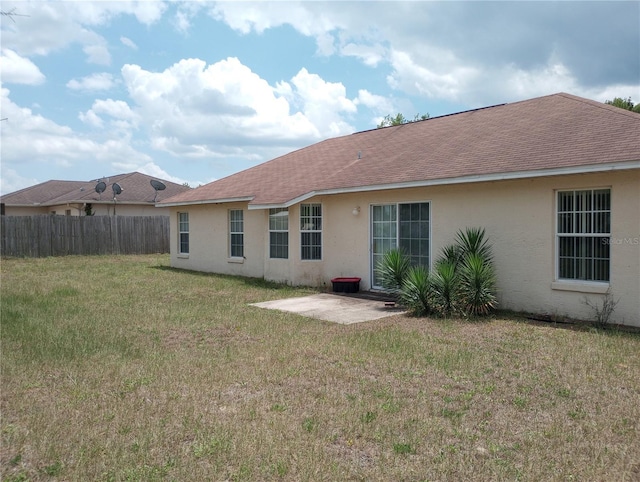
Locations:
(582, 287)
(183, 255)
(235, 259)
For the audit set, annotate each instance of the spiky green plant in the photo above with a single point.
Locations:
(416, 291)
(393, 269)
(473, 241)
(445, 287)
(452, 254)
(477, 285)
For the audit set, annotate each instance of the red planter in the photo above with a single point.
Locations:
(346, 285)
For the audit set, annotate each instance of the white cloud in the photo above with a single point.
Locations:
(152, 169)
(97, 54)
(471, 53)
(93, 83)
(19, 70)
(51, 26)
(115, 108)
(11, 181)
(450, 81)
(36, 140)
(129, 43)
(224, 109)
(311, 19)
(91, 118)
(375, 102)
(371, 55)
(324, 103)
(123, 118)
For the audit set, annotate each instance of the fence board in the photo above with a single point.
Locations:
(46, 235)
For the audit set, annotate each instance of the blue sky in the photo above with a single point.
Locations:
(194, 91)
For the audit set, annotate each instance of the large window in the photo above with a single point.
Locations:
(405, 226)
(311, 231)
(183, 233)
(279, 233)
(584, 234)
(236, 233)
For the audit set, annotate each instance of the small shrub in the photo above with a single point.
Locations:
(393, 269)
(416, 291)
(472, 241)
(445, 284)
(602, 312)
(451, 254)
(477, 285)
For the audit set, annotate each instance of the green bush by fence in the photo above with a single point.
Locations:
(46, 235)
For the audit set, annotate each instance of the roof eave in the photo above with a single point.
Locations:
(504, 176)
(205, 201)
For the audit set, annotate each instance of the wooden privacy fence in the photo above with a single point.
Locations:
(48, 235)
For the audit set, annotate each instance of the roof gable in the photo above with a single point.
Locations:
(559, 131)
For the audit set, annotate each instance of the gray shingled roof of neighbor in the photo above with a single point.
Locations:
(550, 135)
(136, 189)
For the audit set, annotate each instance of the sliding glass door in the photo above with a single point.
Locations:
(405, 226)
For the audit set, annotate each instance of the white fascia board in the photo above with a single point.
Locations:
(505, 176)
(206, 201)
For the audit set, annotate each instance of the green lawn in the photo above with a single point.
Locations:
(121, 368)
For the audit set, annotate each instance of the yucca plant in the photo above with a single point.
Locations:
(477, 285)
(416, 292)
(393, 269)
(445, 287)
(473, 241)
(451, 254)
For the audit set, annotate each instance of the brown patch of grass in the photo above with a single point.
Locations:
(120, 368)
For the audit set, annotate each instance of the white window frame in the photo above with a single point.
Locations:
(278, 225)
(311, 224)
(182, 231)
(234, 224)
(580, 283)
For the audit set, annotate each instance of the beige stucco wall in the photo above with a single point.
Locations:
(519, 217)
(209, 240)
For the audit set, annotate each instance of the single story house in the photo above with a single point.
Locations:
(555, 182)
(136, 197)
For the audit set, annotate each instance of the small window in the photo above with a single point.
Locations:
(584, 234)
(183, 233)
(311, 231)
(236, 233)
(279, 233)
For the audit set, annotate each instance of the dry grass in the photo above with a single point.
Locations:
(119, 368)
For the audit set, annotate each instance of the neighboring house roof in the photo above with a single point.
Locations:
(136, 189)
(549, 135)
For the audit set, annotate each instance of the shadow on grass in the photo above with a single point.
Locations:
(567, 323)
(247, 281)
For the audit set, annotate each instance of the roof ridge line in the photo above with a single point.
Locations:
(433, 118)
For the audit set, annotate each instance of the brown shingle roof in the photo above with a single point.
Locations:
(527, 138)
(136, 189)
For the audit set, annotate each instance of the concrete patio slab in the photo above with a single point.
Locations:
(333, 307)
